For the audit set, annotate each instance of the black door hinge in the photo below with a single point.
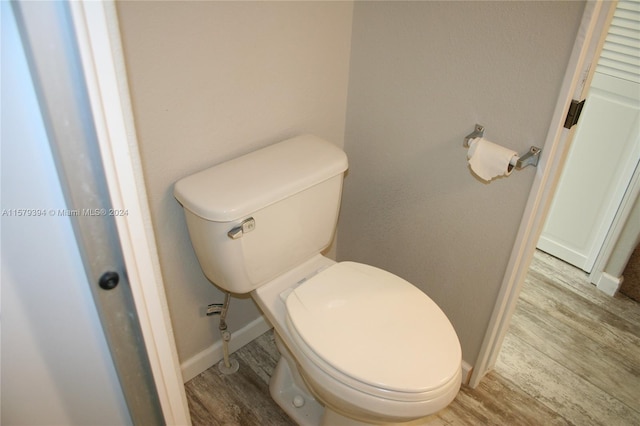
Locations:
(573, 115)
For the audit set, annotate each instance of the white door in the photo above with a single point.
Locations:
(605, 150)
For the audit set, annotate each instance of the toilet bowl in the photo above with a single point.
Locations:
(403, 363)
(359, 345)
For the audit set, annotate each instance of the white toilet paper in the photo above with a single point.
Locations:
(489, 160)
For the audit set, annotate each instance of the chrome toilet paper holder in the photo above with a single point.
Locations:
(530, 158)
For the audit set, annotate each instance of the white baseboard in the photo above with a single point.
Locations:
(609, 284)
(213, 354)
(466, 372)
(569, 255)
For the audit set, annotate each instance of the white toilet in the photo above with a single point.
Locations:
(359, 345)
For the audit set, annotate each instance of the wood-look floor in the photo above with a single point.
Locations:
(571, 357)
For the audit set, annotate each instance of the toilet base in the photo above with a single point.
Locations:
(331, 418)
(299, 404)
(289, 391)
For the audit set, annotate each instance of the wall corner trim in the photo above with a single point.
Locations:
(609, 284)
(467, 369)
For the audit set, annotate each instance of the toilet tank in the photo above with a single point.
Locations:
(255, 217)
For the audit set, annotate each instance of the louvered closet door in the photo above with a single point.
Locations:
(605, 150)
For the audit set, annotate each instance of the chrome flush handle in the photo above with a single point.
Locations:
(247, 225)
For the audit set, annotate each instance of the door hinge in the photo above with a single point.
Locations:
(573, 115)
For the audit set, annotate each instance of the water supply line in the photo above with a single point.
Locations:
(226, 364)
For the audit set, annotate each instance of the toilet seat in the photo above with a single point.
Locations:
(374, 332)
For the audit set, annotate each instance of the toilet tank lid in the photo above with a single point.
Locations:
(237, 188)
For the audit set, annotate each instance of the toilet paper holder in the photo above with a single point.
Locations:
(530, 158)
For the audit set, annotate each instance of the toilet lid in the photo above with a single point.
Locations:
(375, 327)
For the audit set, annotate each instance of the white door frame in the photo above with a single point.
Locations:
(595, 21)
(98, 38)
(609, 282)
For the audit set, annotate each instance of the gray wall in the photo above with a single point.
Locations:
(210, 81)
(422, 74)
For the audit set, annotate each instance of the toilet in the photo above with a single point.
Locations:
(359, 345)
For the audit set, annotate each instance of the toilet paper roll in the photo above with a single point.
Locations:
(489, 160)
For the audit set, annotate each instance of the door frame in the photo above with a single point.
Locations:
(97, 34)
(590, 37)
(609, 282)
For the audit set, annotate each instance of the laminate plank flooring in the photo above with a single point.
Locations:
(571, 357)
(241, 398)
(573, 348)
